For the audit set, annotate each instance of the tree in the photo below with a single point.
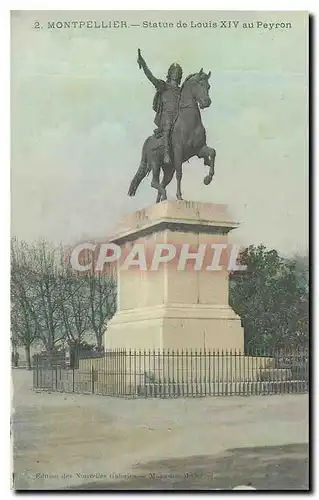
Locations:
(52, 302)
(271, 299)
(101, 295)
(24, 325)
(39, 271)
(102, 300)
(75, 306)
(45, 262)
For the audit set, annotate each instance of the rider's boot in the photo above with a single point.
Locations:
(167, 158)
(167, 125)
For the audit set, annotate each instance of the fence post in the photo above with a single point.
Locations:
(92, 374)
(37, 369)
(72, 379)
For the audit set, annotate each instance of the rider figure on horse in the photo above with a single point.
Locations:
(166, 100)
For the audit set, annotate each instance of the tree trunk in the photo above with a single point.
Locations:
(99, 339)
(28, 356)
(51, 358)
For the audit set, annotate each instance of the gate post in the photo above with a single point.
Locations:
(37, 369)
(92, 374)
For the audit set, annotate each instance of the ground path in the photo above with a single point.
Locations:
(73, 441)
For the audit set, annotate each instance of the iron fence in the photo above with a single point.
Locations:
(181, 373)
(61, 360)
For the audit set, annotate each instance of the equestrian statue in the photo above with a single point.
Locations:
(180, 133)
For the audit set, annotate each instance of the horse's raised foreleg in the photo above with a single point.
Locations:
(209, 155)
(156, 182)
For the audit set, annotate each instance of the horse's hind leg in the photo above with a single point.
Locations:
(178, 164)
(156, 182)
(209, 155)
(168, 176)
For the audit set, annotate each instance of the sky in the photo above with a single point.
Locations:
(81, 110)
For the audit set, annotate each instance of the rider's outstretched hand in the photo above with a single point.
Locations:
(140, 59)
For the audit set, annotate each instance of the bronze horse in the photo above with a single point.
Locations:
(188, 139)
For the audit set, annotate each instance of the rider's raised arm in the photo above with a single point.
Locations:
(155, 81)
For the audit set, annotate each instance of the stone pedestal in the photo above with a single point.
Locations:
(171, 308)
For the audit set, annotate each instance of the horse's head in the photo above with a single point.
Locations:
(199, 87)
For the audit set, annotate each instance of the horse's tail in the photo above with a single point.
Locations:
(143, 171)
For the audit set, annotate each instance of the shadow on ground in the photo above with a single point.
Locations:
(265, 468)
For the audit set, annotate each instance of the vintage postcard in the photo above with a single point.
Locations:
(159, 250)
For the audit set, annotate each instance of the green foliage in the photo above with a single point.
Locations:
(272, 298)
